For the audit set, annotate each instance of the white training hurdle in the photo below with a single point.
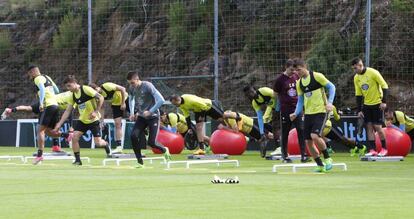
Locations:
(119, 160)
(58, 158)
(191, 162)
(296, 166)
(9, 158)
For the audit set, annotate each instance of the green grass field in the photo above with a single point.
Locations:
(56, 189)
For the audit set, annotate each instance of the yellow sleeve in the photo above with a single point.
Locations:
(109, 86)
(89, 91)
(70, 100)
(185, 112)
(400, 117)
(298, 90)
(380, 80)
(39, 80)
(320, 78)
(267, 117)
(358, 91)
(255, 106)
(173, 119)
(337, 117)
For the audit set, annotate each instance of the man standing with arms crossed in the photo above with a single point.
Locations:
(371, 92)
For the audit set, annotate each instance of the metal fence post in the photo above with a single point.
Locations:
(90, 41)
(368, 33)
(216, 57)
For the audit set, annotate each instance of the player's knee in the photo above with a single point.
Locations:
(315, 136)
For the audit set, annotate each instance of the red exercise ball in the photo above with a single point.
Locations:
(228, 142)
(173, 141)
(293, 143)
(398, 142)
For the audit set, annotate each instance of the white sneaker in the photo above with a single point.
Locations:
(276, 152)
(117, 150)
(5, 113)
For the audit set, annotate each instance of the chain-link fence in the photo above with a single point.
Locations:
(175, 38)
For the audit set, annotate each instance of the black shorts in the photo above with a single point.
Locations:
(93, 127)
(373, 114)
(117, 112)
(335, 134)
(215, 112)
(49, 117)
(411, 134)
(314, 124)
(35, 108)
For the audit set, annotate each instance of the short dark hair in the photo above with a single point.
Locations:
(297, 62)
(247, 88)
(132, 74)
(289, 63)
(93, 85)
(356, 61)
(174, 97)
(70, 79)
(31, 66)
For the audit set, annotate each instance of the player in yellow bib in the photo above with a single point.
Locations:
(48, 108)
(371, 92)
(332, 132)
(400, 120)
(263, 100)
(202, 108)
(117, 95)
(62, 100)
(88, 103)
(316, 106)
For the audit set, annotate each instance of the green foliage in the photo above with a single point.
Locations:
(262, 44)
(177, 30)
(133, 10)
(32, 53)
(5, 42)
(201, 41)
(330, 54)
(402, 5)
(69, 32)
(26, 4)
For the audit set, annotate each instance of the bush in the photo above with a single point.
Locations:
(29, 5)
(177, 30)
(402, 5)
(5, 42)
(69, 32)
(201, 41)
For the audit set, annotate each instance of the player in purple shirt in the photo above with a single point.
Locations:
(285, 88)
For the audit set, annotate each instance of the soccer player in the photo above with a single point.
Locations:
(312, 99)
(202, 108)
(239, 122)
(400, 120)
(176, 121)
(371, 92)
(284, 88)
(332, 132)
(263, 100)
(118, 97)
(89, 103)
(144, 103)
(48, 108)
(62, 100)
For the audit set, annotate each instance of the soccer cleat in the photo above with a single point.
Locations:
(354, 151)
(37, 160)
(167, 154)
(383, 152)
(56, 148)
(276, 152)
(69, 137)
(319, 169)
(362, 151)
(199, 152)
(328, 164)
(77, 163)
(371, 153)
(305, 160)
(118, 150)
(139, 166)
(330, 150)
(207, 149)
(287, 160)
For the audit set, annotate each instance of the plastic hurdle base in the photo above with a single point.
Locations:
(296, 166)
(188, 163)
(26, 159)
(208, 157)
(61, 153)
(119, 160)
(279, 157)
(9, 158)
(120, 155)
(383, 159)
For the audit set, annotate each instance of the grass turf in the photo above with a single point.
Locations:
(56, 189)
